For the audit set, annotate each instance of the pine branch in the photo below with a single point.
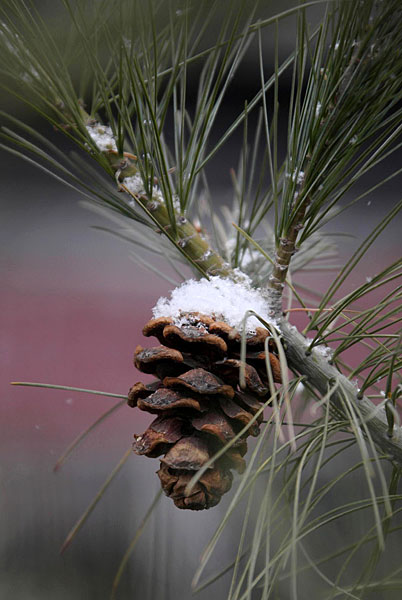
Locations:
(299, 198)
(316, 370)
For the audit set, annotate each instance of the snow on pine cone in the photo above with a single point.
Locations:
(199, 403)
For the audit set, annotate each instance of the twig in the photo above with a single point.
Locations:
(284, 253)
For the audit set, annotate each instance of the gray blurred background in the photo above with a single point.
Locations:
(73, 304)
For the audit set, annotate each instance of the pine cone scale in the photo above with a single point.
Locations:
(216, 424)
(166, 399)
(160, 435)
(189, 453)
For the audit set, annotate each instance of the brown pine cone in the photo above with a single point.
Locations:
(199, 403)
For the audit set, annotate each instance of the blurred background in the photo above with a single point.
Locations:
(72, 307)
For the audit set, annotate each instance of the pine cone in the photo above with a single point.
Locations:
(199, 403)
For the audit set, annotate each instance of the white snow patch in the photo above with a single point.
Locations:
(176, 203)
(135, 185)
(220, 298)
(102, 136)
(298, 176)
(324, 351)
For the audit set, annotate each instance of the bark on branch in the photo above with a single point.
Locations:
(284, 253)
(323, 376)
